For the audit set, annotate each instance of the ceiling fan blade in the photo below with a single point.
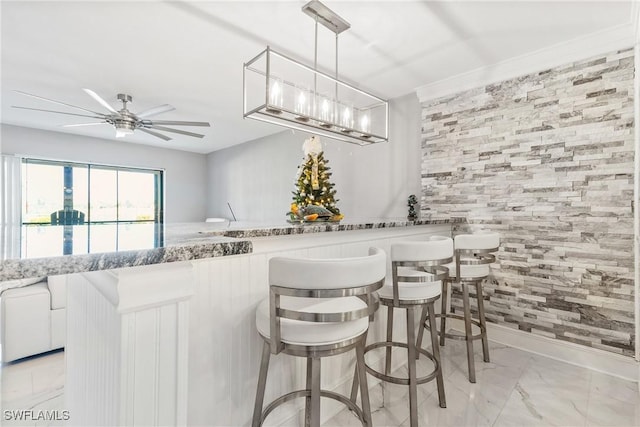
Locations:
(56, 102)
(183, 132)
(176, 123)
(155, 110)
(156, 134)
(84, 124)
(101, 116)
(101, 101)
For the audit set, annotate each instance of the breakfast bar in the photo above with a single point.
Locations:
(172, 339)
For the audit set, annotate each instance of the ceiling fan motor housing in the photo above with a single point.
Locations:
(127, 121)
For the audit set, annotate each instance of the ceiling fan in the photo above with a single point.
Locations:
(124, 121)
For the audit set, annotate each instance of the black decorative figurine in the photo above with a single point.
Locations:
(411, 202)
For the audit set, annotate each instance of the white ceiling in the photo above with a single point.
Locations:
(190, 53)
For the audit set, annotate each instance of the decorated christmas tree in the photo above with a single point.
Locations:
(314, 197)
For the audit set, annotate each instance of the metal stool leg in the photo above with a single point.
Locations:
(467, 330)
(262, 382)
(387, 364)
(312, 410)
(356, 380)
(413, 385)
(423, 319)
(436, 354)
(483, 322)
(361, 370)
(307, 399)
(443, 312)
(355, 384)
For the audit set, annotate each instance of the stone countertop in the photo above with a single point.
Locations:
(66, 264)
(248, 230)
(184, 242)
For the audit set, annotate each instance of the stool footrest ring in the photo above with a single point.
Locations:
(459, 336)
(306, 393)
(397, 380)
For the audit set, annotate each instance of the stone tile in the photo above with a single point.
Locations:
(506, 181)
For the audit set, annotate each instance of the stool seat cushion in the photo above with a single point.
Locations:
(411, 290)
(314, 333)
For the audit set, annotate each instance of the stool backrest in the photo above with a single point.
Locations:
(324, 278)
(425, 260)
(431, 250)
(482, 240)
(306, 273)
(475, 249)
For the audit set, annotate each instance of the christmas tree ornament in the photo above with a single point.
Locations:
(314, 172)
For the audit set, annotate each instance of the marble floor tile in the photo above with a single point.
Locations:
(548, 392)
(522, 409)
(617, 388)
(612, 402)
(516, 388)
(33, 384)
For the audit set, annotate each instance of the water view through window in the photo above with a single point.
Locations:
(73, 208)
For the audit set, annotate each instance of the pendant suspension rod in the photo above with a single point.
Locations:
(336, 58)
(315, 66)
(315, 49)
(336, 108)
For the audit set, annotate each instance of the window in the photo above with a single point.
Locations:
(73, 208)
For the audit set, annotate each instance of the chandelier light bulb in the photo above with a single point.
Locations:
(346, 118)
(326, 112)
(302, 103)
(364, 123)
(276, 94)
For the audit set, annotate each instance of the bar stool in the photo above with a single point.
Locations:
(473, 254)
(417, 270)
(318, 308)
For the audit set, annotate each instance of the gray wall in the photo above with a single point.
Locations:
(257, 177)
(185, 173)
(547, 160)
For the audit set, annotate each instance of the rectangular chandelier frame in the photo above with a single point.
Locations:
(281, 90)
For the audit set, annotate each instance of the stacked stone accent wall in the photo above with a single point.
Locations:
(546, 160)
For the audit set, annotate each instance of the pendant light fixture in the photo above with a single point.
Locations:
(280, 90)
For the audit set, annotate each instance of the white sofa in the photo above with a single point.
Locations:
(33, 318)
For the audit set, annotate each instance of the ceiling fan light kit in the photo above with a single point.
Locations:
(278, 89)
(124, 121)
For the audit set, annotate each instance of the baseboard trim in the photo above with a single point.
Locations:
(587, 357)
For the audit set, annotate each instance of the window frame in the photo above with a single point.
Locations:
(159, 187)
(159, 175)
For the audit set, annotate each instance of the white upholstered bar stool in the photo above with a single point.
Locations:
(318, 308)
(473, 254)
(418, 267)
